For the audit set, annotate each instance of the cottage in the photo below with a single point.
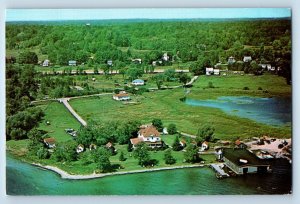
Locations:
(165, 57)
(109, 62)
(241, 161)
(72, 63)
(216, 71)
(50, 142)
(137, 61)
(231, 60)
(149, 135)
(239, 144)
(138, 82)
(93, 146)
(209, 71)
(110, 147)
(204, 146)
(182, 143)
(46, 63)
(80, 148)
(122, 96)
(247, 59)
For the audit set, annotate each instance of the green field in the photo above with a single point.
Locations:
(167, 106)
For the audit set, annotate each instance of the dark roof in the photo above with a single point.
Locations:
(234, 155)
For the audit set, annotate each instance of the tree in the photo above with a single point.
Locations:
(184, 78)
(172, 129)
(169, 159)
(254, 67)
(102, 160)
(191, 154)
(142, 154)
(205, 133)
(159, 79)
(122, 157)
(42, 153)
(176, 144)
(28, 57)
(158, 124)
(134, 73)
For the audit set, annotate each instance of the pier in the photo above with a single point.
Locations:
(220, 173)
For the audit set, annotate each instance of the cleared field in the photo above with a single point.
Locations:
(167, 106)
(60, 119)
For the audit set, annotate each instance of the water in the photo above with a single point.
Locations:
(25, 179)
(270, 111)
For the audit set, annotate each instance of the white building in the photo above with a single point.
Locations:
(149, 135)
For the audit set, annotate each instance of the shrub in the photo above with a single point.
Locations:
(259, 88)
(210, 85)
(172, 129)
(246, 88)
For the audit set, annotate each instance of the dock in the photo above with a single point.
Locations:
(220, 173)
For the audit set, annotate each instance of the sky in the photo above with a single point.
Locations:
(147, 13)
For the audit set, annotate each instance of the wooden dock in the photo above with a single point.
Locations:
(220, 173)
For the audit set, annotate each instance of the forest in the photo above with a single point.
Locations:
(199, 43)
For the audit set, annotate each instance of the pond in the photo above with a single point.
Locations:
(271, 111)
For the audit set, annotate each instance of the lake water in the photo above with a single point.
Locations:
(270, 111)
(25, 179)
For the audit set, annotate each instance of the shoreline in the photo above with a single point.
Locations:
(65, 175)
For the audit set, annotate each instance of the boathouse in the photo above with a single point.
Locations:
(242, 161)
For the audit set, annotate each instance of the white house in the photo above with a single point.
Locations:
(165, 131)
(122, 96)
(204, 146)
(49, 142)
(137, 61)
(231, 60)
(80, 148)
(216, 71)
(138, 82)
(149, 135)
(109, 62)
(247, 59)
(165, 57)
(72, 63)
(209, 71)
(46, 63)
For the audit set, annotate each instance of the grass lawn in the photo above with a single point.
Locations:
(167, 106)
(232, 85)
(60, 119)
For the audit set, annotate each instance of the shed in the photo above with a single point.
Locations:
(247, 59)
(138, 82)
(72, 63)
(209, 71)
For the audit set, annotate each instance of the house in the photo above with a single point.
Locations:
(216, 71)
(80, 148)
(138, 82)
(165, 57)
(247, 59)
(263, 66)
(46, 63)
(110, 147)
(109, 62)
(269, 67)
(92, 146)
(50, 142)
(231, 60)
(182, 143)
(137, 61)
(239, 144)
(241, 161)
(148, 134)
(209, 71)
(122, 96)
(165, 131)
(204, 146)
(72, 63)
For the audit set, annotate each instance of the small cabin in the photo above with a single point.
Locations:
(72, 63)
(50, 142)
(138, 82)
(209, 71)
(247, 59)
(46, 63)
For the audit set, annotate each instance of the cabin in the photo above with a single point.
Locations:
(148, 134)
(138, 82)
(216, 71)
(165, 57)
(72, 63)
(122, 96)
(204, 146)
(247, 59)
(209, 71)
(182, 143)
(110, 147)
(109, 62)
(137, 61)
(231, 60)
(50, 142)
(46, 63)
(93, 146)
(242, 161)
(239, 144)
(80, 148)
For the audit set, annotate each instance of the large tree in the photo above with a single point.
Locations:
(191, 154)
(142, 154)
(28, 57)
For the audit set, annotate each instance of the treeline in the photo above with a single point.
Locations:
(21, 88)
(183, 40)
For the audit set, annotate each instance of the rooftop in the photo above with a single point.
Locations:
(234, 155)
(149, 131)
